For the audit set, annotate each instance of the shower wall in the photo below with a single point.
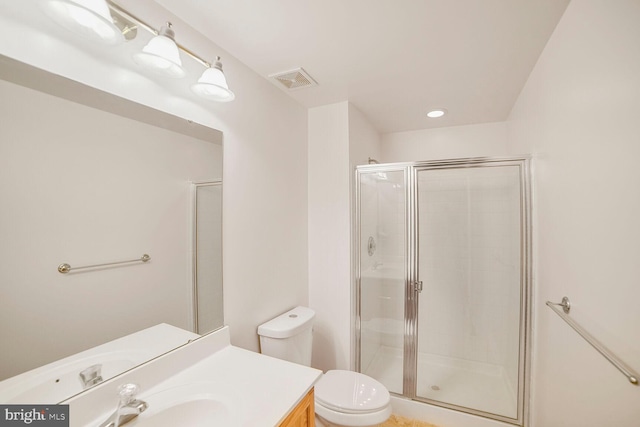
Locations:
(479, 140)
(369, 219)
(383, 213)
(470, 265)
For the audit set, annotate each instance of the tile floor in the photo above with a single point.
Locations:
(398, 421)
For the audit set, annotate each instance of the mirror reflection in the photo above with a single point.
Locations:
(87, 178)
(207, 231)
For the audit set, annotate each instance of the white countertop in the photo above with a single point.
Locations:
(262, 390)
(267, 388)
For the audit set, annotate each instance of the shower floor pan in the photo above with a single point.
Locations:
(475, 385)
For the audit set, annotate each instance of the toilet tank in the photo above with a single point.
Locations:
(289, 336)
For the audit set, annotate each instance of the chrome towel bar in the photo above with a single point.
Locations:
(65, 268)
(615, 361)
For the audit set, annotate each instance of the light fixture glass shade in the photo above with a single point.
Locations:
(161, 55)
(212, 84)
(88, 18)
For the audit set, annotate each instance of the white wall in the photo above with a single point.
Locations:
(265, 153)
(578, 114)
(329, 235)
(483, 140)
(364, 140)
(339, 138)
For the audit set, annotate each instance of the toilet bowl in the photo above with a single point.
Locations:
(342, 398)
(347, 398)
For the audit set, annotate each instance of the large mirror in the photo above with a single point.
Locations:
(88, 178)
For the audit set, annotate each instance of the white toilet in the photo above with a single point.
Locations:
(342, 398)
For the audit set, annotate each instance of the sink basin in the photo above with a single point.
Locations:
(191, 405)
(59, 380)
(208, 382)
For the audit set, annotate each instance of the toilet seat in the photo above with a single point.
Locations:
(348, 392)
(364, 419)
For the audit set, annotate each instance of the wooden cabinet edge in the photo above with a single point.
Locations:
(303, 415)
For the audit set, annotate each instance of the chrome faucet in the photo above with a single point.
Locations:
(128, 407)
(91, 376)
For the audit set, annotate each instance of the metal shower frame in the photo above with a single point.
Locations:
(411, 278)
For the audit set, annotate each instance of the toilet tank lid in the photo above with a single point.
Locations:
(288, 324)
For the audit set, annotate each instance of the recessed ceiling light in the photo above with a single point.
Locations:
(438, 112)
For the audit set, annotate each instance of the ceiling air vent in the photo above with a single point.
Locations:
(295, 79)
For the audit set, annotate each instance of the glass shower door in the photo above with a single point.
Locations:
(207, 279)
(470, 252)
(382, 219)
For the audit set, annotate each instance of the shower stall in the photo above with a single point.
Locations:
(442, 278)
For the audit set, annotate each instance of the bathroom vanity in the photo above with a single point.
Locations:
(302, 415)
(207, 382)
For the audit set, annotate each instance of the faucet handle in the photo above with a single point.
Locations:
(91, 376)
(127, 393)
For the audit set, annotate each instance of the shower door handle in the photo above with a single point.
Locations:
(417, 286)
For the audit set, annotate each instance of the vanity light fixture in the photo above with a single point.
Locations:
(161, 54)
(436, 113)
(213, 84)
(102, 19)
(88, 18)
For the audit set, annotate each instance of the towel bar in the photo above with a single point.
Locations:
(615, 361)
(65, 268)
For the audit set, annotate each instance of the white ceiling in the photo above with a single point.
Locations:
(393, 59)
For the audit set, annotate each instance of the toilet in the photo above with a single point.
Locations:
(342, 398)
